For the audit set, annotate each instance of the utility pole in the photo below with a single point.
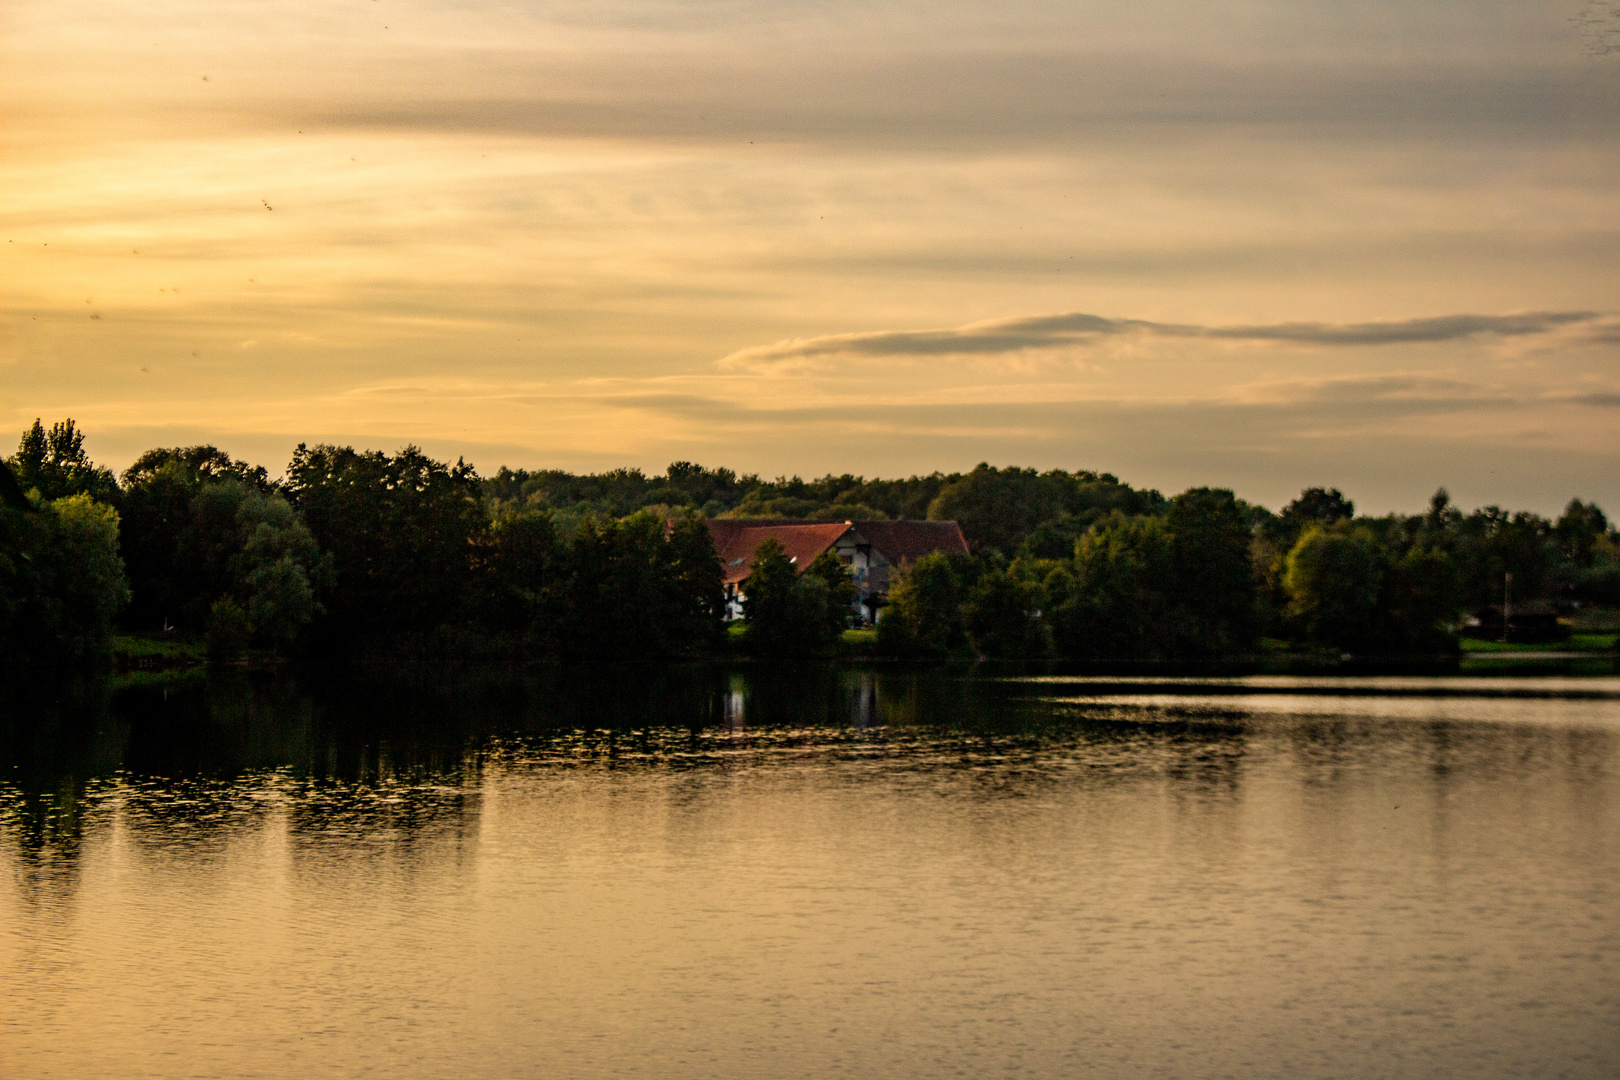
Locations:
(1507, 605)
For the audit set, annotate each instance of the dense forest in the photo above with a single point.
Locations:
(352, 549)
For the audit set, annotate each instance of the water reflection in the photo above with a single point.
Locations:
(415, 730)
(404, 755)
(757, 871)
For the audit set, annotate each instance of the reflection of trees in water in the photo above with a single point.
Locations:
(403, 759)
(392, 819)
(440, 728)
(1206, 758)
(397, 766)
(187, 765)
(229, 725)
(57, 753)
(190, 768)
(1330, 751)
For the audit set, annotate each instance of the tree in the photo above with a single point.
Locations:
(791, 614)
(201, 529)
(1599, 581)
(1579, 530)
(11, 493)
(55, 464)
(1419, 603)
(1124, 569)
(180, 532)
(1212, 577)
(401, 530)
(694, 585)
(1491, 543)
(228, 630)
(633, 589)
(923, 616)
(1333, 576)
(1319, 506)
(1350, 588)
(523, 562)
(1032, 513)
(279, 571)
(1003, 618)
(839, 601)
(1589, 555)
(200, 463)
(1054, 539)
(61, 582)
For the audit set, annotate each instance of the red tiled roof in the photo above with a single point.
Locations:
(736, 540)
(903, 541)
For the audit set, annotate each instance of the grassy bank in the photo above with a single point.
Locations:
(1583, 643)
(135, 652)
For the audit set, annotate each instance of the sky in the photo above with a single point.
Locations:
(1242, 243)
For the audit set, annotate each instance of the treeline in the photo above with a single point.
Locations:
(1211, 576)
(1000, 509)
(349, 548)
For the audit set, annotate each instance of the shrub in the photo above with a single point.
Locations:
(228, 631)
(923, 617)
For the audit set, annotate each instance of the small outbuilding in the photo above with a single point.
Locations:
(1533, 621)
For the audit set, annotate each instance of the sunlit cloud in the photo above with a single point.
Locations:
(527, 232)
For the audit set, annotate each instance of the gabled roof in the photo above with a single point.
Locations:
(903, 541)
(737, 540)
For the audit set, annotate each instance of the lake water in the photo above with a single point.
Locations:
(814, 874)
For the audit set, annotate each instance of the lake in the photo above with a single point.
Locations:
(847, 873)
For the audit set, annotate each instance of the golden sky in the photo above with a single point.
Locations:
(1243, 243)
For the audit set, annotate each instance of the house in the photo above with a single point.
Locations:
(873, 551)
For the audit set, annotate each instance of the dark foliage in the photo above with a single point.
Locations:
(999, 509)
(1003, 618)
(1212, 576)
(61, 584)
(1177, 586)
(518, 566)
(186, 520)
(55, 464)
(198, 463)
(630, 592)
(924, 614)
(401, 531)
(11, 493)
(366, 547)
(793, 615)
(1349, 589)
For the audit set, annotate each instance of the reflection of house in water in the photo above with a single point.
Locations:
(863, 701)
(873, 551)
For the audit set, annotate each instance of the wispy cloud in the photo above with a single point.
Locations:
(1598, 400)
(1599, 24)
(1066, 331)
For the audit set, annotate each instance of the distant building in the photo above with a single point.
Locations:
(873, 551)
(1533, 621)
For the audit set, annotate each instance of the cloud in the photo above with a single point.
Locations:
(1599, 24)
(1385, 394)
(1079, 329)
(1443, 328)
(1598, 400)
